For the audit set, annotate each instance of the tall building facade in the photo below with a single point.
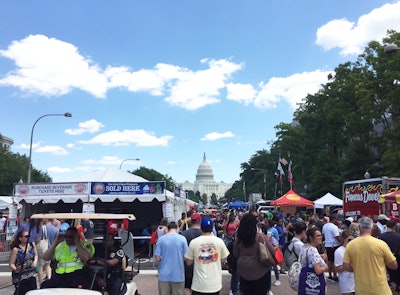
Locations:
(205, 183)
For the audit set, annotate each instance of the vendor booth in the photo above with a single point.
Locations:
(290, 201)
(326, 201)
(105, 191)
(390, 204)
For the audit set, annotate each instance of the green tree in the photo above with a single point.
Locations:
(13, 168)
(214, 200)
(153, 175)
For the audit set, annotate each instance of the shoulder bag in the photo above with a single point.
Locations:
(43, 244)
(266, 257)
(310, 282)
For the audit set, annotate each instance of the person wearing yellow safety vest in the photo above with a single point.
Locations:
(70, 254)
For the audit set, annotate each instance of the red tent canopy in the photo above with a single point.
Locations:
(291, 199)
(392, 197)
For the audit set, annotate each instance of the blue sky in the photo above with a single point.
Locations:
(166, 81)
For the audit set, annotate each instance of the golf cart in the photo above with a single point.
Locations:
(98, 266)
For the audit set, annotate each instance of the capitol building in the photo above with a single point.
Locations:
(205, 183)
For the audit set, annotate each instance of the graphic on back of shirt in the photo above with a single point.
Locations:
(207, 253)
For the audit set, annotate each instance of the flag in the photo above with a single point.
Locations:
(281, 172)
(283, 161)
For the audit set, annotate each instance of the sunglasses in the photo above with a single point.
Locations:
(26, 236)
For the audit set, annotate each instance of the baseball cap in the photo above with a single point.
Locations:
(351, 219)
(206, 221)
(383, 217)
(195, 217)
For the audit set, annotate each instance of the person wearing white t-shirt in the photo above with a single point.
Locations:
(207, 252)
(346, 278)
(332, 241)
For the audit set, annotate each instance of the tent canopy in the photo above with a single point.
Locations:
(291, 199)
(328, 200)
(238, 205)
(392, 197)
(5, 201)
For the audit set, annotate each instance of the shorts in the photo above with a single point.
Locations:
(330, 252)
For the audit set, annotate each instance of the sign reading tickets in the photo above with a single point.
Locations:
(43, 189)
(128, 188)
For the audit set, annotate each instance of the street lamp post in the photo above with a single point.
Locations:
(68, 115)
(265, 180)
(126, 161)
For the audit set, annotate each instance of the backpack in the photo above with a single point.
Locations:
(153, 238)
(294, 274)
(290, 255)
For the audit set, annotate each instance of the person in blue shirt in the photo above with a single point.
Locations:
(170, 251)
(33, 227)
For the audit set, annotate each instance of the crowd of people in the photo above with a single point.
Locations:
(37, 243)
(358, 255)
(361, 256)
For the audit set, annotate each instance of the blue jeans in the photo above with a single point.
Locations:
(234, 281)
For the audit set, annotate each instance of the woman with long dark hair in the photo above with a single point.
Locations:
(255, 277)
(23, 260)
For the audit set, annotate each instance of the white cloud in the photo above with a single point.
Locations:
(194, 90)
(52, 149)
(215, 135)
(292, 89)
(243, 93)
(352, 37)
(90, 126)
(110, 160)
(126, 137)
(50, 67)
(56, 169)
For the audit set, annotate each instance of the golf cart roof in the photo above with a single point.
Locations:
(83, 216)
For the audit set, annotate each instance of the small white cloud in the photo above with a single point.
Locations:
(126, 137)
(352, 37)
(171, 163)
(52, 149)
(243, 93)
(215, 135)
(292, 89)
(70, 145)
(56, 169)
(90, 126)
(110, 160)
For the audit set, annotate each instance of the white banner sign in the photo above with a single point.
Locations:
(43, 189)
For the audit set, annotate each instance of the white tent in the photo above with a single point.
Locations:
(80, 189)
(5, 201)
(110, 175)
(328, 200)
